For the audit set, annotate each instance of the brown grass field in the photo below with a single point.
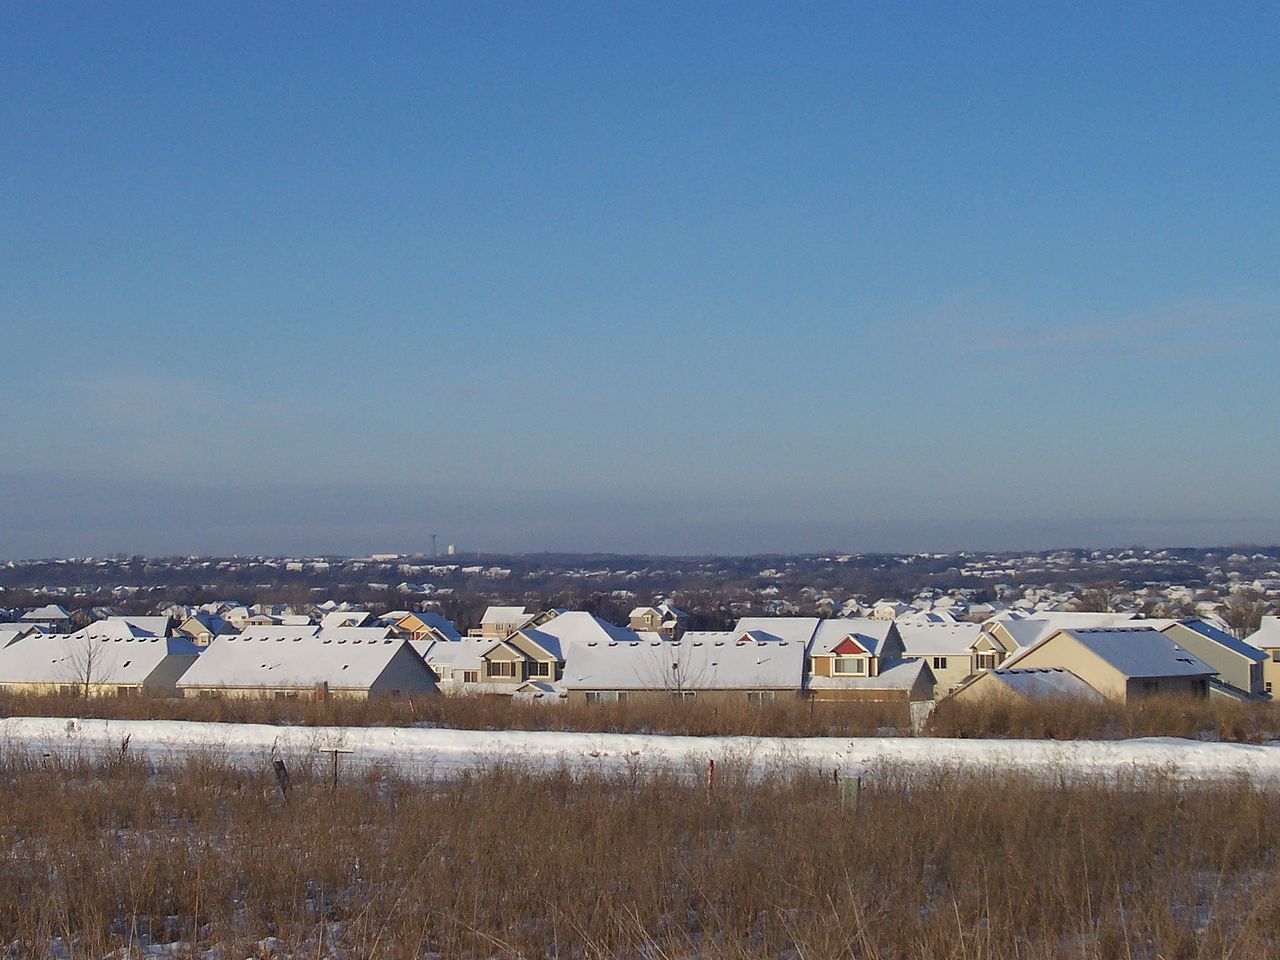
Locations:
(108, 860)
(1057, 720)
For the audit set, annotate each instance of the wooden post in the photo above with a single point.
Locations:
(282, 777)
(335, 751)
(711, 779)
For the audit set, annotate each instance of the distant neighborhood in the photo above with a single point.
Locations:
(886, 651)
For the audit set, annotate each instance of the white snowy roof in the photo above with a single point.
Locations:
(794, 629)
(1040, 683)
(900, 676)
(505, 616)
(1141, 652)
(869, 633)
(49, 612)
(1267, 636)
(937, 639)
(344, 658)
(53, 659)
(692, 663)
(121, 627)
(574, 627)
(345, 618)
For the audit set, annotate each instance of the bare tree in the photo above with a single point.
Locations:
(1243, 612)
(88, 662)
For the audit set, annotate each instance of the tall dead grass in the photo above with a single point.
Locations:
(1078, 719)
(510, 863)
(784, 717)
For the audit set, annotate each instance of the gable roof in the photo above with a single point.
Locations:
(870, 634)
(792, 629)
(65, 659)
(1222, 638)
(344, 658)
(1141, 652)
(1267, 636)
(903, 675)
(944, 639)
(701, 663)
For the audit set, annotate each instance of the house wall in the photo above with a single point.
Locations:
(407, 673)
(1232, 668)
(1180, 686)
(1271, 672)
(946, 679)
(95, 689)
(163, 680)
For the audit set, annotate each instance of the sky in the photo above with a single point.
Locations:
(665, 278)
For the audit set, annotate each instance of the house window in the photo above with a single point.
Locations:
(986, 661)
(540, 669)
(1268, 686)
(939, 663)
(127, 691)
(1275, 655)
(500, 668)
(849, 667)
(685, 695)
(606, 696)
(759, 696)
(470, 676)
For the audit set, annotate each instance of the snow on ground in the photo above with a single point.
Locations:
(433, 753)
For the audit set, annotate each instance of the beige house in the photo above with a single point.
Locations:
(1026, 684)
(97, 664)
(1239, 664)
(947, 649)
(1267, 639)
(1120, 663)
(664, 619)
(202, 628)
(304, 663)
(422, 626)
(499, 623)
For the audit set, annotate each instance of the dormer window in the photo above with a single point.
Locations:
(850, 667)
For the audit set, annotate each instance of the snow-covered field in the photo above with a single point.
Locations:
(433, 753)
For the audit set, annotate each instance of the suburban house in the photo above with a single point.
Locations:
(665, 619)
(421, 626)
(345, 618)
(1239, 664)
(295, 662)
(721, 667)
(201, 628)
(500, 622)
(538, 653)
(947, 648)
(1120, 663)
(111, 662)
(52, 615)
(1010, 634)
(1267, 639)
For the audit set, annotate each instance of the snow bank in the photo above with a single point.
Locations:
(438, 753)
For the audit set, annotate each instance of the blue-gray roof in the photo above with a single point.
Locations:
(1141, 652)
(1226, 640)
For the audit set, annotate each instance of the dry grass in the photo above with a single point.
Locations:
(1073, 719)
(785, 717)
(507, 863)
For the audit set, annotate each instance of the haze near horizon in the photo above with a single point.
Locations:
(637, 278)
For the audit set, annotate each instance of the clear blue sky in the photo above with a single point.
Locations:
(669, 278)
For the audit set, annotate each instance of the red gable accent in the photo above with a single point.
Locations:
(849, 645)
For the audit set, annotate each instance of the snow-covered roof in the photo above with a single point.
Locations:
(937, 639)
(1267, 636)
(1037, 683)
(900, 676)
(692, 663)
(121, 627)
(1141, 652)
(793, 629)
(1220, 637)
(70, 659)
(344, 658)
(505, 616)
(870, 634)
(574, 627)
(47, 613)
(345, 618)
(462, 654)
